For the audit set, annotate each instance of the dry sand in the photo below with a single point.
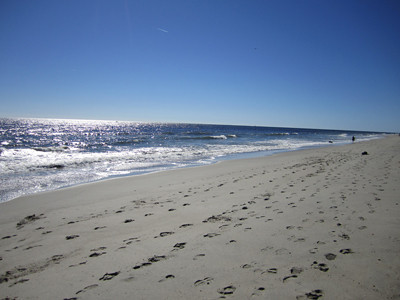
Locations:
(320, 223)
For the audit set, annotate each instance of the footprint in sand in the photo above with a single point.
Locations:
(246, 266)
(258, 290)
(179, 246)
(165, 233)
(271, 271)
(79, 264)
(228, 290)
(109, 276)
(131, 240)
(96, 254)
(28, 220)
(145, 264)
(170, 276)
(288, 277)
(100, 227)
(315, 294)
(8, 237)
(330, 256)
(90, 287)
(296, 270)
(17, 282)
(206, 280)
(346, 251)
(150, 261)
(185, 225)
(156, 258)
(31, 247)
(344, 236)
(217, 218)
(320, 266)
(198, 256)
(211, 235)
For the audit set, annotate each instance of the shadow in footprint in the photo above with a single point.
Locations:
(165, 233)
(206, 280)
(211, 235)
(346, 251)
(179, 246)
(109, 276)
(229, 290)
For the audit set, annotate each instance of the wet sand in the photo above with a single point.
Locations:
(313, 224)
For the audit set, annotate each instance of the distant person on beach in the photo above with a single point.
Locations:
(353, 138)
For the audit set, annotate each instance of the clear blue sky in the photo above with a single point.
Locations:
(300, 63)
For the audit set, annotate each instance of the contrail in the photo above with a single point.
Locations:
(163, 30)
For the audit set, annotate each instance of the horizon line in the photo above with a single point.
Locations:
(194, 123)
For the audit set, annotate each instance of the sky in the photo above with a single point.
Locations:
(286, 63)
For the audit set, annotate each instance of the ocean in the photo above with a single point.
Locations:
(45, 154)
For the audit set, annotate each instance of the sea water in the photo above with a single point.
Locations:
(46, 154)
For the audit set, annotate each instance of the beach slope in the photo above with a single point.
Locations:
(318, 223)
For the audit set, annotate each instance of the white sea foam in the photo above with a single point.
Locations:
(222, 137)
(43, 170)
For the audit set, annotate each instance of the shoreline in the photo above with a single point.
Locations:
(249, 155)
(231, 157)
(291, 225)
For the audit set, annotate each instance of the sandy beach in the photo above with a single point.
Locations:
(312, 224)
